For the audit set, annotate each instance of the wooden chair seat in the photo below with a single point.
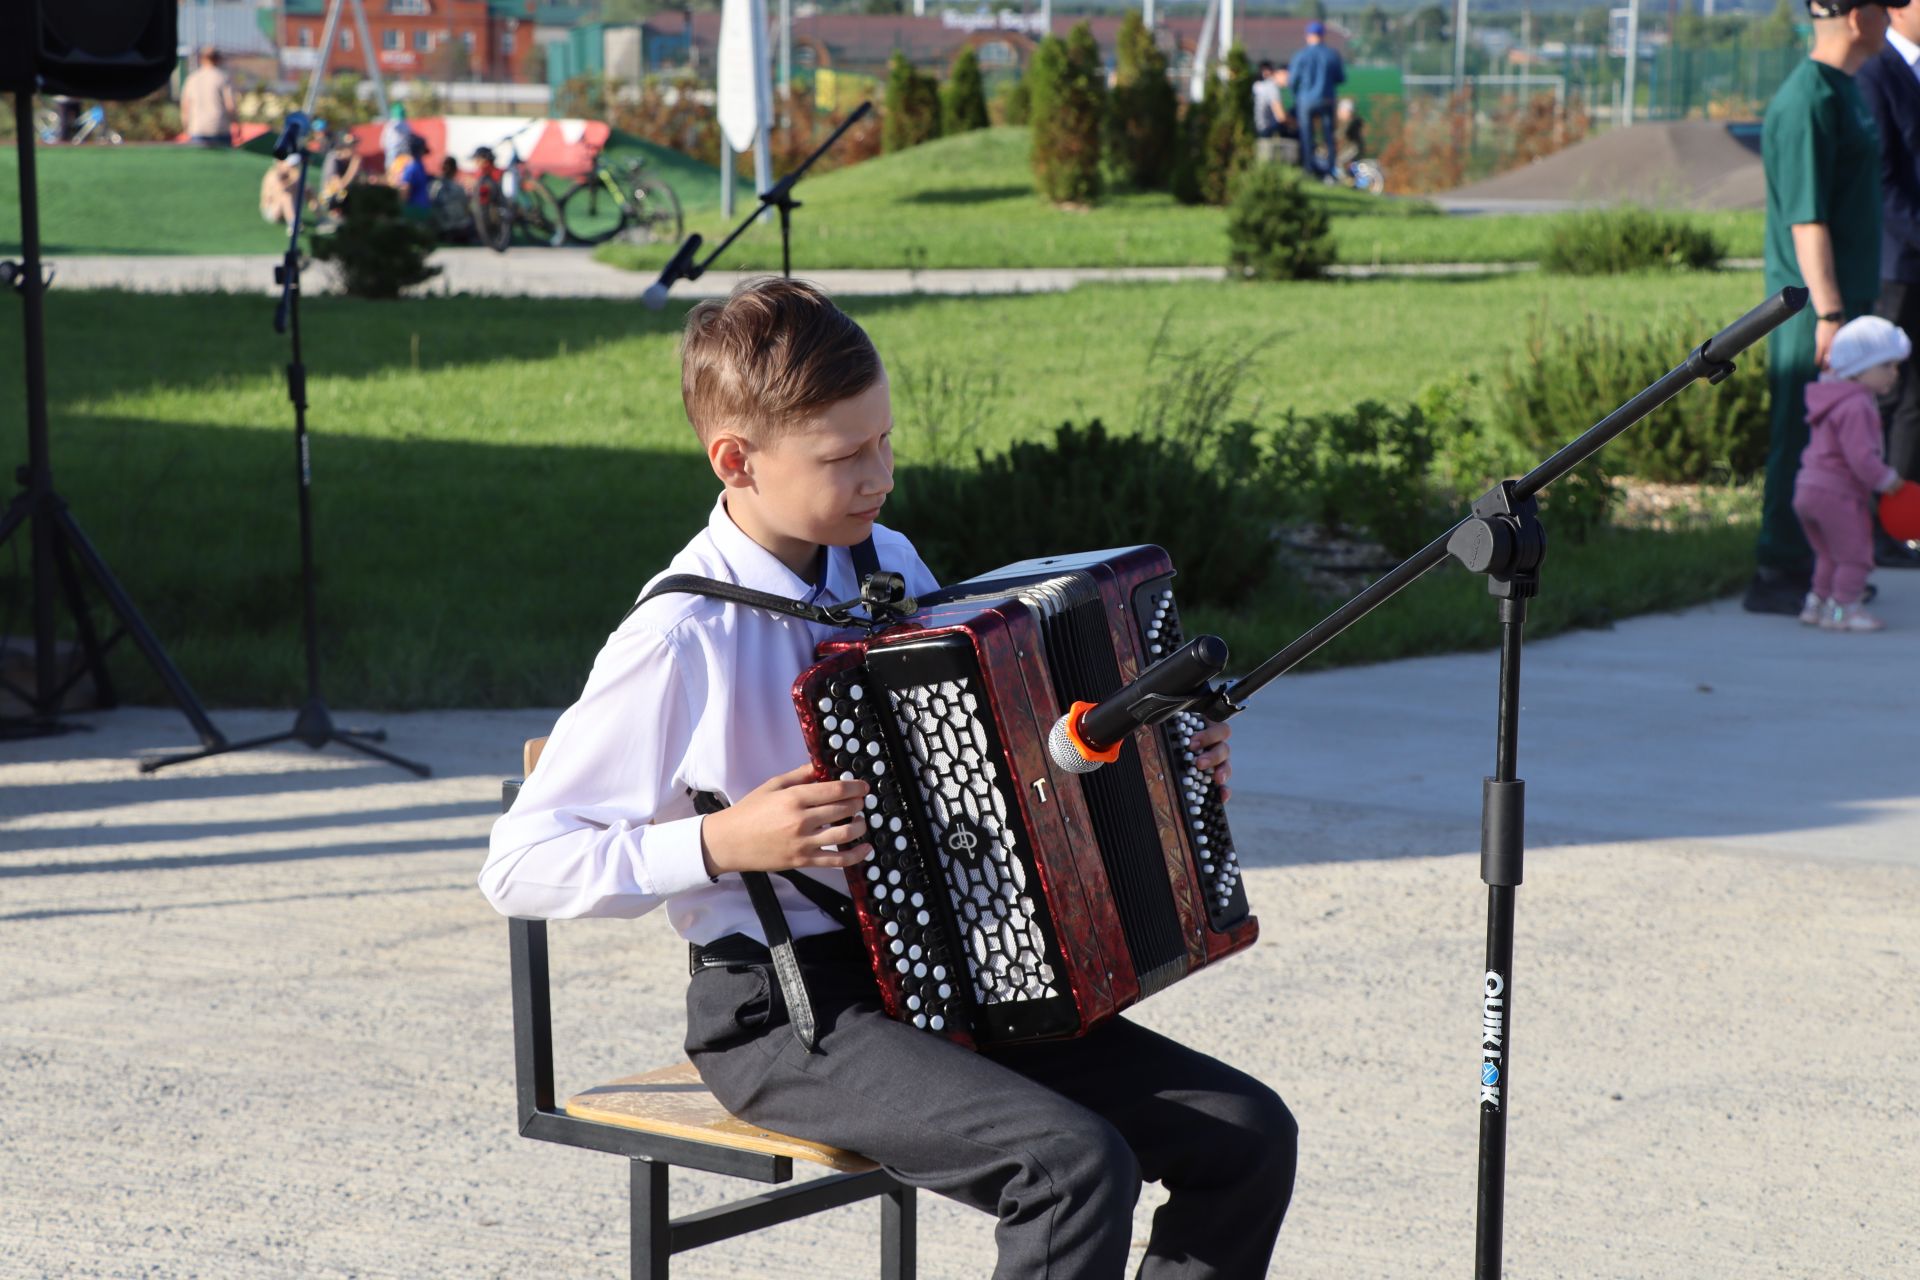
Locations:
(668, 1119)
(674, 1102)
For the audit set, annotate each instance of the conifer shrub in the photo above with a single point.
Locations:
(1275, 230)
(1568, 377)
(1012, 102)
(912, 114)
(1229, 138)
(1069, 110)
(1629, 238)
(1189, 144)
(964, 100)
(1141, 134)
(377, 250)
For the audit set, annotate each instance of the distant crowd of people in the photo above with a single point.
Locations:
(1322, 132)
(439, 196)
(1841, 149)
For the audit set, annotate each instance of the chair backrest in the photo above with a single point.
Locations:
(530, 754)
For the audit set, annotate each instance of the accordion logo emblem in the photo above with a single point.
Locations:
(964, 839)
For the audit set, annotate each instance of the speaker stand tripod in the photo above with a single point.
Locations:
(55, 536)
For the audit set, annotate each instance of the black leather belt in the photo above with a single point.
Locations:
(738, 949)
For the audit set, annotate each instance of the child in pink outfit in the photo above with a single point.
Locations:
(1843, 468)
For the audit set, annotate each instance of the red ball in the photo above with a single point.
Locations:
(1900, 512)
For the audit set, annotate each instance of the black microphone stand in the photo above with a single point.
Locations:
(1503, 539)
(313, 724)
(55, 536)
(778, 196)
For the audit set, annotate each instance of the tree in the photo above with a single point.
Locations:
(912, 114)
(883, 6)
(1229, 138)
(1781, 28)
(964, 101)
(1069, 110)
(1426, 25)
(1145, 115)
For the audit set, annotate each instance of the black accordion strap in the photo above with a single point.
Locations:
(773, 922)
(866, 561)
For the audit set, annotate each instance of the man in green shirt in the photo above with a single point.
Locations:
(1821, 152)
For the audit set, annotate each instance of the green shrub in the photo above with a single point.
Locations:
(1085, 489)
(1069, 106)
(1228, 149)
(1012, 102)
(377, 250)
(1145, 117)
(912, 114)
(964, 100)
(1567, 378)
(1370, 468)
(1629, 238)
(1275, 230)
(1189, 144)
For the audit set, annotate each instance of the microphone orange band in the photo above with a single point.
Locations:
(1080, 744)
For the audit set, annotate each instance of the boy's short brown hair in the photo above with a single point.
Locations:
(767, 357)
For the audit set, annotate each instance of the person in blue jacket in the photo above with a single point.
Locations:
(1315, 75)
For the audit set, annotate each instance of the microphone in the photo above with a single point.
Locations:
(1091, 733)
(681, 268)
(291, 136)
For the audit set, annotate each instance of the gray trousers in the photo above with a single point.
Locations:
(1053, 1138)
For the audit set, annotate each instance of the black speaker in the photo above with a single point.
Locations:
(114, 49)
(19, 44)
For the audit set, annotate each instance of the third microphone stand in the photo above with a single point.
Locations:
(1503, 539)
(778, 196)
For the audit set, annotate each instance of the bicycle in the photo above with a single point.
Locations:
(1364, 175)
(512, 198)
(603, 205)
(55, 124)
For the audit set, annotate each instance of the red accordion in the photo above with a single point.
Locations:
(1006, 899)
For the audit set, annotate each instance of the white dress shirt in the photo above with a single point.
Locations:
(1908, 50)
(689, 694)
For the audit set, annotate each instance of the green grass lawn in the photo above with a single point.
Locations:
(163, 199)
(966, 201)
(495, 478)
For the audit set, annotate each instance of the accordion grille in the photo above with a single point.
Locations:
(1081, 658)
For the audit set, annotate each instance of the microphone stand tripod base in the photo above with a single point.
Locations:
(315, 727)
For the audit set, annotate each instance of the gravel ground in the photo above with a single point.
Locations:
(254, 1016)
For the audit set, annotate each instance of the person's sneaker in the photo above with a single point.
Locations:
(1775, 591)
(1813, 608)
(1888, 554)
(1851, 617)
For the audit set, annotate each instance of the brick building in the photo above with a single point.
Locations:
(415, 39)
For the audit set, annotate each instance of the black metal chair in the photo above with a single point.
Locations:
(667, 1118)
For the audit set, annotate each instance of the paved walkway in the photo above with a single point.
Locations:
(254, 1017)
(573, 273)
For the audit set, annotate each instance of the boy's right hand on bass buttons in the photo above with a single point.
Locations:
(784, 824)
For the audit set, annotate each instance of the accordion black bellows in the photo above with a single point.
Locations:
(1007, 899)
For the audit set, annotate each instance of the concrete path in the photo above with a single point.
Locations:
(573, 273)
(254, 1018)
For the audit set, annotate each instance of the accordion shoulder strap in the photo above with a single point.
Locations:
(866, 562)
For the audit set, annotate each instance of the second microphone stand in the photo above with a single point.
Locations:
(313, 724)
(1502, 539)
